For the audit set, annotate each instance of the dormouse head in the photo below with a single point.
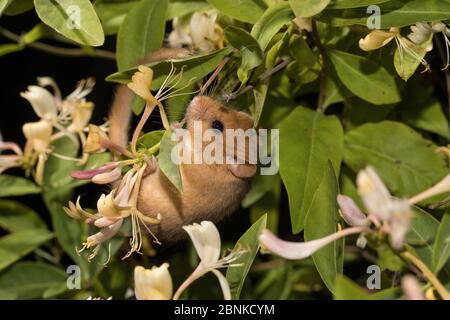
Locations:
(214, 115)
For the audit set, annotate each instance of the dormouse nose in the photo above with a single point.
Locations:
(199, 106)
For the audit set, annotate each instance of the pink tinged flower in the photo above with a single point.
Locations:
(105, 234)
(301, 250)
(108, 207)
(89, 174)
(42, 101)
(411, 288)
(153, 284)
(8, 161)
(108, 177)
(351, 213)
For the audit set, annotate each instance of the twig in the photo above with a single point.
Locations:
(67, 52)
(262, 77)
(428, 274)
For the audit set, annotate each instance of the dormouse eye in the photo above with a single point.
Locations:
(218, 125)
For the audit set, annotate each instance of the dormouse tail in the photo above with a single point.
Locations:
(120, 116)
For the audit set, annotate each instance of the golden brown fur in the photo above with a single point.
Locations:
(210, 192)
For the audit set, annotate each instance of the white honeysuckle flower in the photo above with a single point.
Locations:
(411, 288)
(42, 101)
(206, 240)
(206, 34)
(201, 33)
(153, 284)
(374, 193)
(420, 33)
(441, 187)
(179, 37)
(394, 214)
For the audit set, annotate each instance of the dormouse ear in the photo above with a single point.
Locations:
(242, 170)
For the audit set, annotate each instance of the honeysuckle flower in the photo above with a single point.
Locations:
(81, 114)
(351, 213)
(179, 37)
(90, 174)
(141, 83)
(394, 214)
(153, 284)
(8, 161)
(96, 141)
(301, 250)
(411, 288)
(206, 34)
(202, 33)
(421, 32)
(377, 39)
(441, 187)
(113, 208)
(39, 135)
(43, 103)
(206, 240)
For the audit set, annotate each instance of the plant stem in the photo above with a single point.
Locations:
(428, 274)
(147, 112)
(67, 52)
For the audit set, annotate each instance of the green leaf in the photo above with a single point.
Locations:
(268, 205)
(308, 139)
(31, 280)
(348, 4)
(142, 32)
(74, 19)
(16, 186)
(420, 109)
(18, 7)
(308, 8)
(245, 10)
(151, 139)
(196, 67)
(251, 53)
(406, 63)
(322, 220)
(4, 5)
(180, 8)
(395, 13)
(365, 78)
(249, 242)
(441, 248)
(167, 166)
(423, 228)
(15, 216)
(112, 14)
(271, 22)
(345, 289)
(18, 244)
(400, 155)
